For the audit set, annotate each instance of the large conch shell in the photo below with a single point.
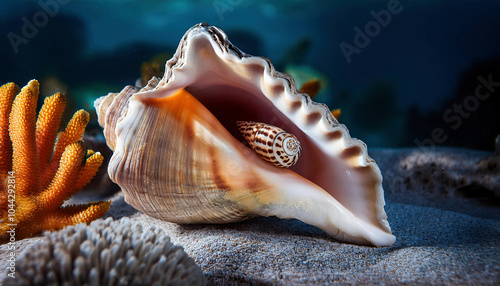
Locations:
(178, 153)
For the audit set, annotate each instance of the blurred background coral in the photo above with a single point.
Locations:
(404, 73)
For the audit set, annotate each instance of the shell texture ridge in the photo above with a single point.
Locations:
(179, 154)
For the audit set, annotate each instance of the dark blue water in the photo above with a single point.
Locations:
(404, 73)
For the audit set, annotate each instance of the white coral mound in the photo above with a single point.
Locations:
(108, 252)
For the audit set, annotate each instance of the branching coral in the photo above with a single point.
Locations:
(312, 88)
(40, 169)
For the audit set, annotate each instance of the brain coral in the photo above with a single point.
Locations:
(108, 252)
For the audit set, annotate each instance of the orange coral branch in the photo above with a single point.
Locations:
(46, 127)
(89, 170)
(336, 113)
(25, 211)
(28, 141)
(8, 92)
(74, 131)
(65, 177)
(75, 214)
(22, 134)
(311, 87)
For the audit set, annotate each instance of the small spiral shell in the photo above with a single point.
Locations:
(271, 143)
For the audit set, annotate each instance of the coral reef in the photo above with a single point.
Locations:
(38, 173)
(432, 178)
(312, 87)
(107, 252)
(153, 67)
(305, 75)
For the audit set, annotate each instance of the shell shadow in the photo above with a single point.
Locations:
(119, 208)
(264, 226)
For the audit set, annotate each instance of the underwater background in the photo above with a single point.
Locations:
(403, 73)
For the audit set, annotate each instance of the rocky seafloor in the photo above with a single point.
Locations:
(443, 206)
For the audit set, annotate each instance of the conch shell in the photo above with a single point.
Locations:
(178, 153)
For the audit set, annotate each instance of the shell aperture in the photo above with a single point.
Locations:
(271, 143)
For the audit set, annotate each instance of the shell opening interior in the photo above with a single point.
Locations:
(231, 103)
(235, 88)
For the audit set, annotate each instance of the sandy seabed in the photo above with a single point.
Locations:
(443, 207)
